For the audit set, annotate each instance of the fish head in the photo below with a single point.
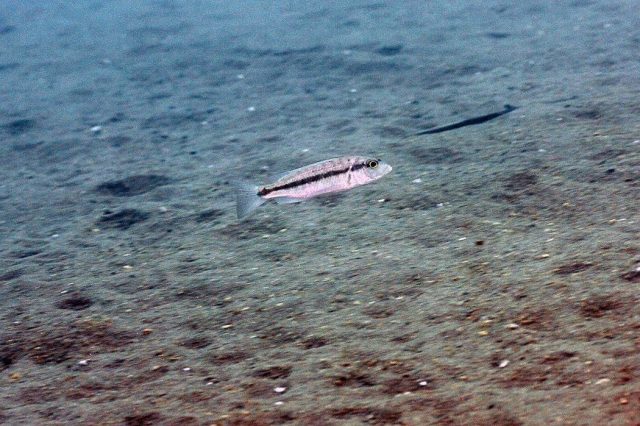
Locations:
(376, 168)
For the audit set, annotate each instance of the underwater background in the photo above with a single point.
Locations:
(491, 279)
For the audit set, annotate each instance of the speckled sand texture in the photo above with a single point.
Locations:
(491, 279)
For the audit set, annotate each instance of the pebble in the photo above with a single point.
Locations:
(279, 389)
(503, 363)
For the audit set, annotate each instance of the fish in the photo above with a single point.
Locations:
(325, 177)
(468, 122)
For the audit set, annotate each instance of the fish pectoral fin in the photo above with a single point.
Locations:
(287, 200)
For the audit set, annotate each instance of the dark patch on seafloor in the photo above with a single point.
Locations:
(132, 185)
(122, 219)
(19, 127)
(499, 284)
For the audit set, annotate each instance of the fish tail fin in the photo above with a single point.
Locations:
(247, 199)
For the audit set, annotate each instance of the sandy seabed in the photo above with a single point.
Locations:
(491, 279)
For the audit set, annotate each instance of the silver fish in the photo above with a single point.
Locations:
(325, 177)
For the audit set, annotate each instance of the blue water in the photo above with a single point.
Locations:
(491, 278)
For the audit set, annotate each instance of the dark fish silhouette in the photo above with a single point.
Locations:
(468, 122)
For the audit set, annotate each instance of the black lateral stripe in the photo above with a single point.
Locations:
(310, 179)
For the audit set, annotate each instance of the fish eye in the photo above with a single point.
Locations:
(372, 164)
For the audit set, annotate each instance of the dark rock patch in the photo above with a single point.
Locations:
(11, 274)
(558, 356)
(368, 415)
(9, 66)
(281, 335)
(541, 319)
(75, 302)
(9, 353)
(588, 114)
(132, 185)
(184, 421)
(313, 342)
(24, 253)
(6, 29)
(122, 219)
(197, 342)
(228, 357)
(389, 50)
(275, 372)
(520, 181)
(632, 276)
(572, 268)
(146, 419)
(117, 117)
(497, 35)
(58, 344)
(408, 382)
(353, 378)
(378, 311)
(19, 127)
(599, 306)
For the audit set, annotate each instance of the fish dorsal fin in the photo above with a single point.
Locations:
(299, 170)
